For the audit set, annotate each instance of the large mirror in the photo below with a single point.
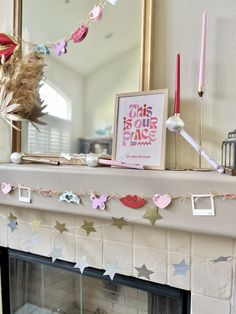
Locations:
(79, 87)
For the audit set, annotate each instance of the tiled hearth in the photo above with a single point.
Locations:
(210, 283)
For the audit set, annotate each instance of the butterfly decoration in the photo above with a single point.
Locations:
(69, 197)
(133, 201)
(43, 50)
(98, 201)
(60, 47)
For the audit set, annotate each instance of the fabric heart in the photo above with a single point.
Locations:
(96, 13)
(8, 46)
(6, 187)
(161, 201)
(133, 201)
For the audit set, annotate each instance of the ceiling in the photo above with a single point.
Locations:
(48, 21)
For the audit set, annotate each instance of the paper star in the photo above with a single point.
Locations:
(81, 263)
(152, 215)
(32, 240)
(144, 272)
(181, 268)
(119, 222)
(12, 217)
(60, 227)
(220, 259)
(35, 225)
(56, 253)
(111, 270)
(88, 227)
(13, 225)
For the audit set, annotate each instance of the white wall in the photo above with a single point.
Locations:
(118, 76)
(178, 29)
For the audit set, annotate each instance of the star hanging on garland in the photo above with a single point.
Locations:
(111, 270)
(152, 215)
(221, 259)
(144, 272)
(181, 268)
(81, 263)
(13, 225)
(119, 222)
(88, 226)
(11, 217)
(56, 253)
(60, 227)
(12, 222)
(35, 225)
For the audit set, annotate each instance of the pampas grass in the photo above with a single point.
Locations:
(24, 76)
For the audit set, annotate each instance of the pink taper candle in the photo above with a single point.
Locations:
(201, 83)
(177, 86)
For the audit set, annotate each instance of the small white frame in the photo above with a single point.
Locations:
(22, 198)
(203, 211)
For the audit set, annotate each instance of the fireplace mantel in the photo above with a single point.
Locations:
(126, 181)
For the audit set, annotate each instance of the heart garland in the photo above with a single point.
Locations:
(8, 46)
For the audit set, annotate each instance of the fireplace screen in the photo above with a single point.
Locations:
(38, 286)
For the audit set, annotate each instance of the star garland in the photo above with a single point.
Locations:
(60, 47)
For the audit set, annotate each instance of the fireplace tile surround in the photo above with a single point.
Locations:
(212, 284)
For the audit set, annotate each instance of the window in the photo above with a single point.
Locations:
(55, 136)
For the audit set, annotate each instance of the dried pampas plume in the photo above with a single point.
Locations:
(24, 80)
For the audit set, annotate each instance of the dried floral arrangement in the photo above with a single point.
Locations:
(20, 80)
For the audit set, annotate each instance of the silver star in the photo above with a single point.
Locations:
(81, 263)
(32, 240)
(13, 225)
(111, 270)
(56, 253)
(181, 268)
(220, 259)
(144, 272)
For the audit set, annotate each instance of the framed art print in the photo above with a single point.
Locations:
(140, 128)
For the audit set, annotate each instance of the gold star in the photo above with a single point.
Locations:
(35, 225)
(12, 217)
(152, 215)
(88, 227)
(119, 222)
(60, 227)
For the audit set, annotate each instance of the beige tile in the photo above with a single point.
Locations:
(155, 260)
(212, 279)
(18, 238)
(179, 241)
(211, 246)
(113, 233)
(206, 305)
(150, 236)
(43, 245)
(66, 240)
(178, 280)
(121, 253)
(91, 247)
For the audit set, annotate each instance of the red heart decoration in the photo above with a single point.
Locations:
(8, 46)
(133, 201)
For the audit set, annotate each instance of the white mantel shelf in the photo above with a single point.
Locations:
(122, 182)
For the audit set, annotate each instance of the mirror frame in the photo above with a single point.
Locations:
(146, 52)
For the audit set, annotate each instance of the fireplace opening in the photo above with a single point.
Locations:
(32, 284)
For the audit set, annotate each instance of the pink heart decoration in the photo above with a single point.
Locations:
(161, 201)
(6, 187)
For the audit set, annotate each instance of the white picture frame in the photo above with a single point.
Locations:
(140, 128)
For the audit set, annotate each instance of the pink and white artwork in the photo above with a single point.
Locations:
(140, 131)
